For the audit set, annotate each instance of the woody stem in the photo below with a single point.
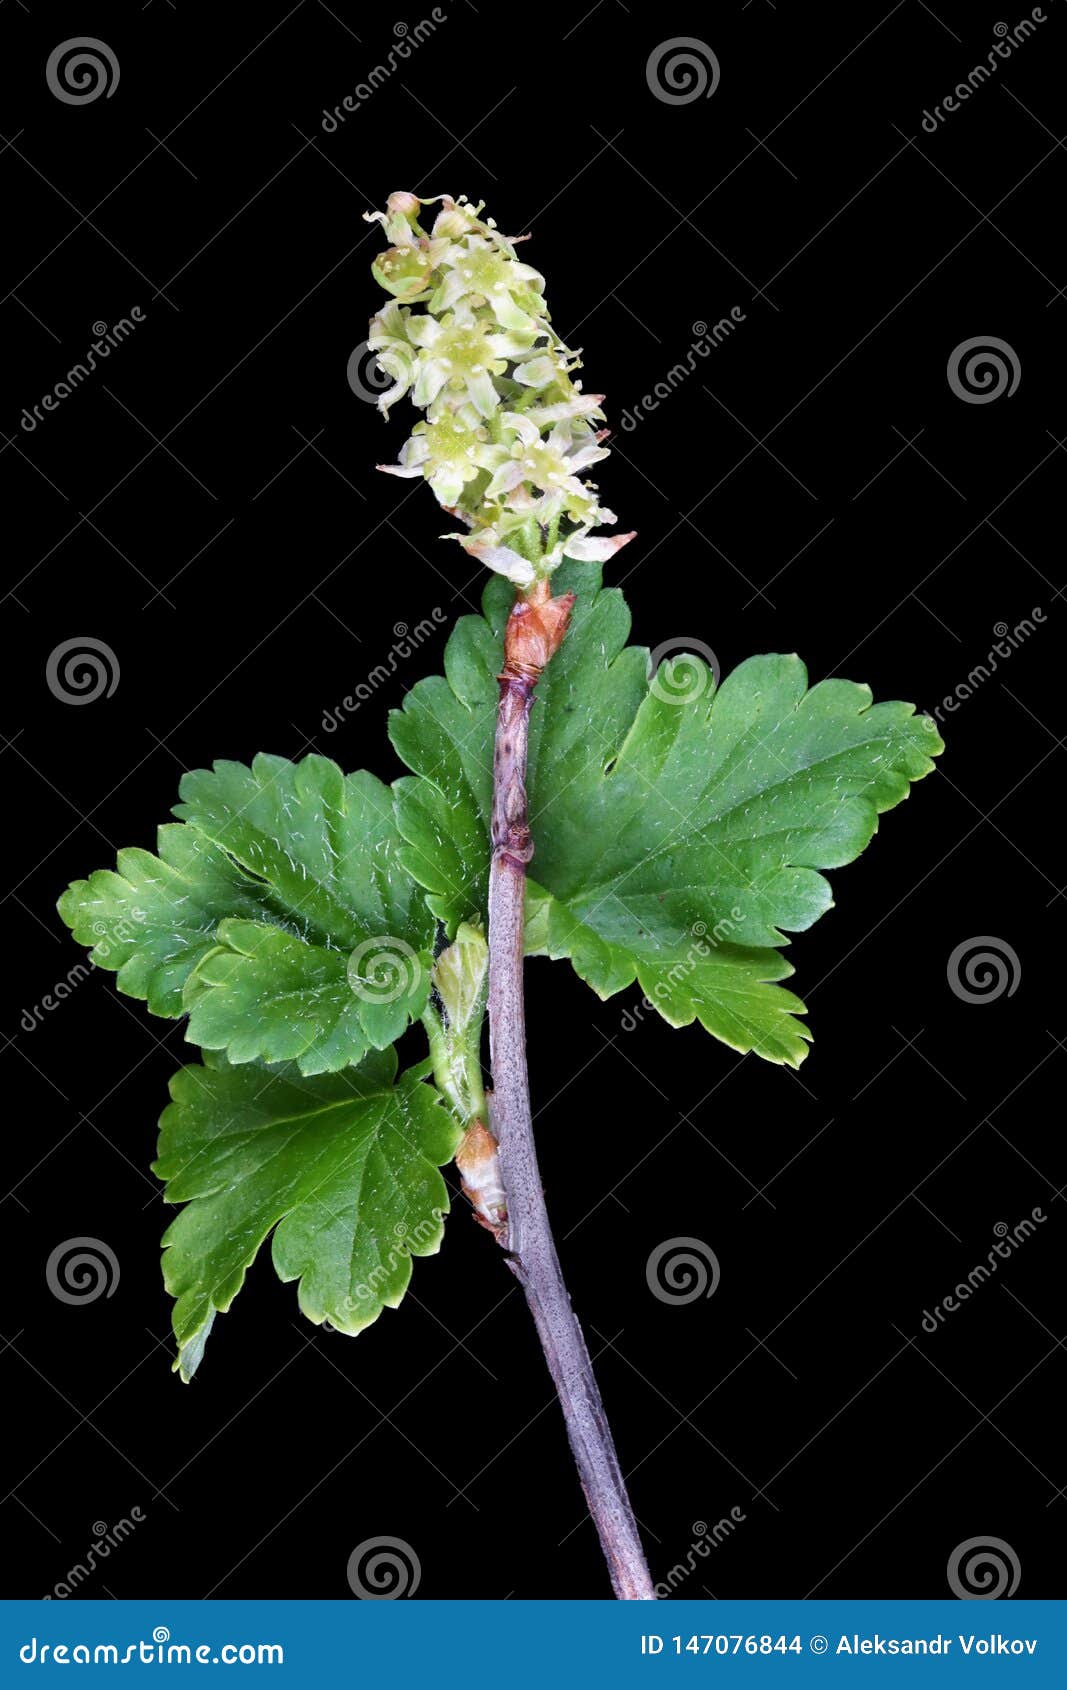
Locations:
(531, 1248)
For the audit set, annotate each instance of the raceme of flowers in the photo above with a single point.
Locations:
(508, 433)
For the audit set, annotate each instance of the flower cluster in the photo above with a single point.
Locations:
(508, 431)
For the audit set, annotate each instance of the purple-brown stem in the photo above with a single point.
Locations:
(534, 632)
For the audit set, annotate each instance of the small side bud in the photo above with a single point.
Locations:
(459, 976)
(479, 1165)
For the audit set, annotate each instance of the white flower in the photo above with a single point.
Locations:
(477, 269)
(551, 465)
(464, 354)
(449, 452)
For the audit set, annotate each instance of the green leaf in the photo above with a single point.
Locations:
(263, 992)
(446, 736)
(342, 1168)
(323, 843)
(279, 915)
(680, 831)
(156, 917)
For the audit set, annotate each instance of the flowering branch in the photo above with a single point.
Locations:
(507, 437)
(293, 912)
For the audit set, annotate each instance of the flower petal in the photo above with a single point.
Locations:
(505, 479)
(506, 562)
(399, 367)
(429, 381)
(581, 405)
(536, 372)
(598, 550)
(526, 429)
(452, 289)
(484, 394)
(406, 472)
(508, 313)
(422, 330)
(585, 456)
(447, 483)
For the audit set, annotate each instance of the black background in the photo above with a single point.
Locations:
(207, 506)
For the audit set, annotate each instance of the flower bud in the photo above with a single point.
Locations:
(404, 205)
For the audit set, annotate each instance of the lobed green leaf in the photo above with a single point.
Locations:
(342, 1168)
(680, 834)
(279, 915)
